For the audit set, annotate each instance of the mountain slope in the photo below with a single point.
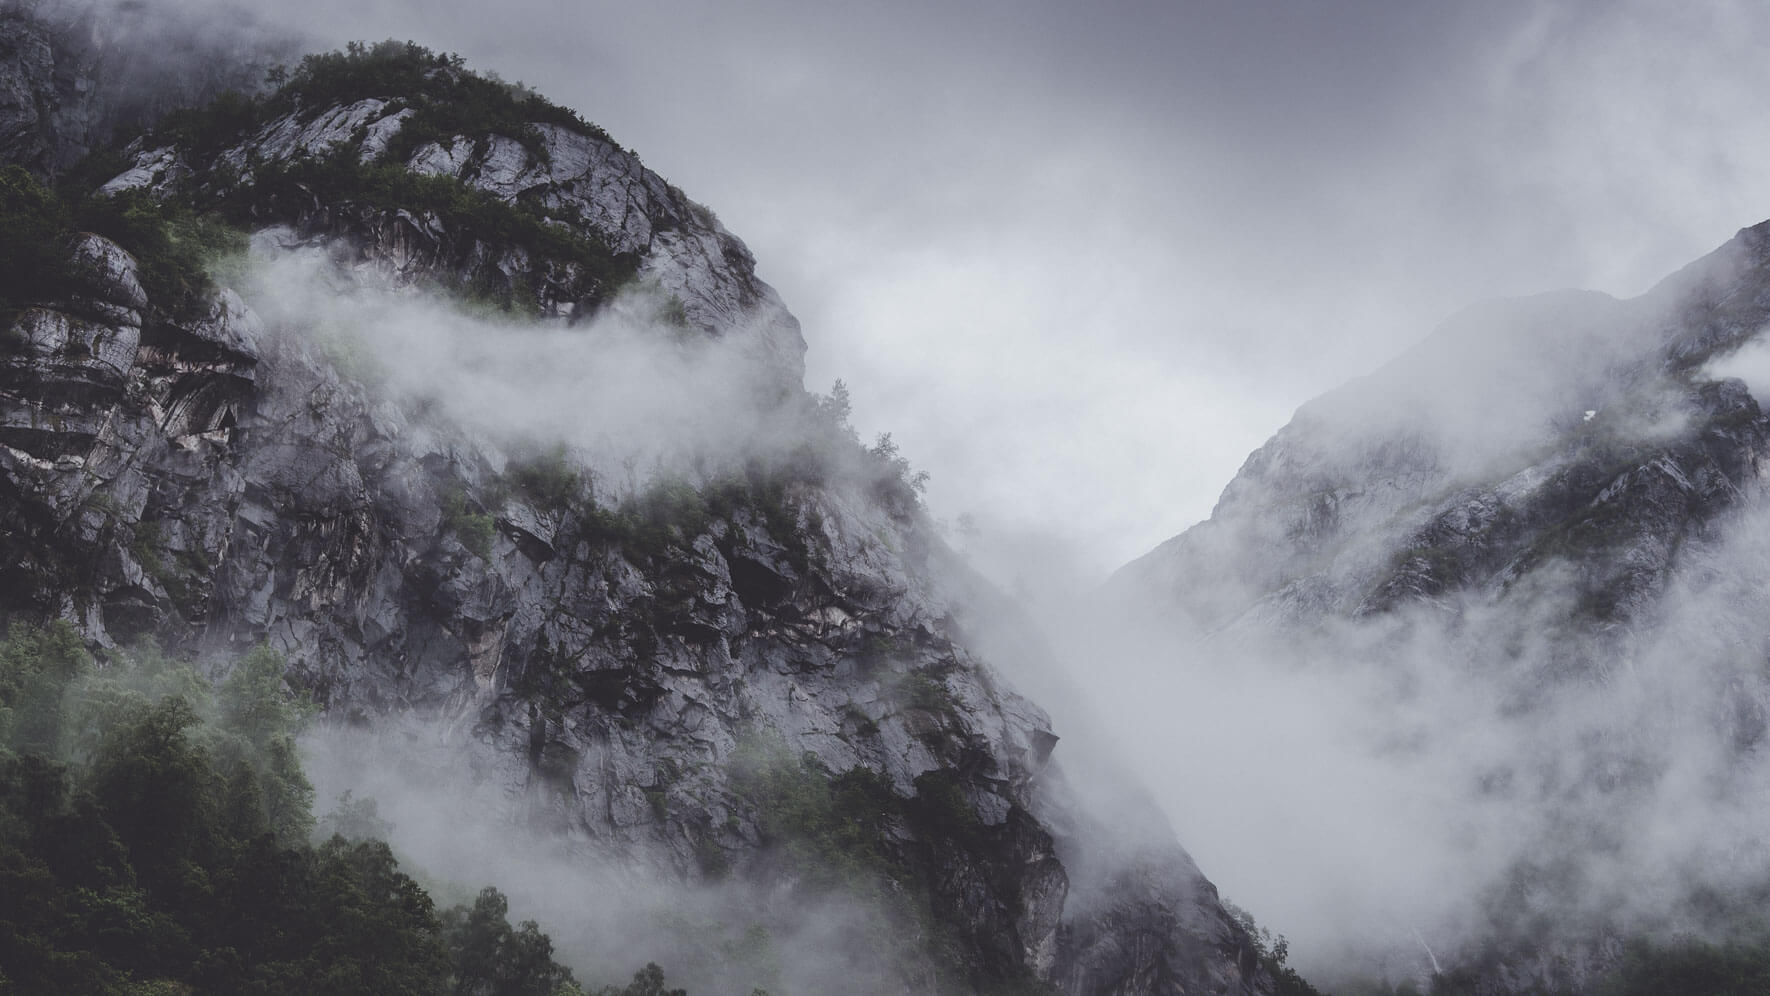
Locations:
(1534, 543)
(1499, 434)
(729, 649)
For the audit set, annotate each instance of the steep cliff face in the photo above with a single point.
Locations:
(664, 667)
(1540, 528)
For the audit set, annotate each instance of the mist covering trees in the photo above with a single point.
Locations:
(155, 838)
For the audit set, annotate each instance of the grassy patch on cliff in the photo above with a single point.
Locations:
(475, 529)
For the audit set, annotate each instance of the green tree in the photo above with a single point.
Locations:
(263, 717)
(156, 788)
(164, 850)
(492, 959)
(648, 981)
(36, 668)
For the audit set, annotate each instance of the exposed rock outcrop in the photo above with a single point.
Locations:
(572, 177)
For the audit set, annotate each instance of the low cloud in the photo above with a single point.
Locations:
(630, 394)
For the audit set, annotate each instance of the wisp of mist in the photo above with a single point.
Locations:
(1372, 786)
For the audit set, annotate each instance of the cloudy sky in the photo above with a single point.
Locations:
(1080, 258)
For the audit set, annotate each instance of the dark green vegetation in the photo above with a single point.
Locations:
(473, 529)
(34, 233)
(154, 839)
(172, 246)
(547, 478)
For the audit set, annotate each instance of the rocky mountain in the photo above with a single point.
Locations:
(1565, 428)
(72, 73)
(710, 665)
(1540, 528)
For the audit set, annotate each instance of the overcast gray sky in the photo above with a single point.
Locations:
(1081, 258)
